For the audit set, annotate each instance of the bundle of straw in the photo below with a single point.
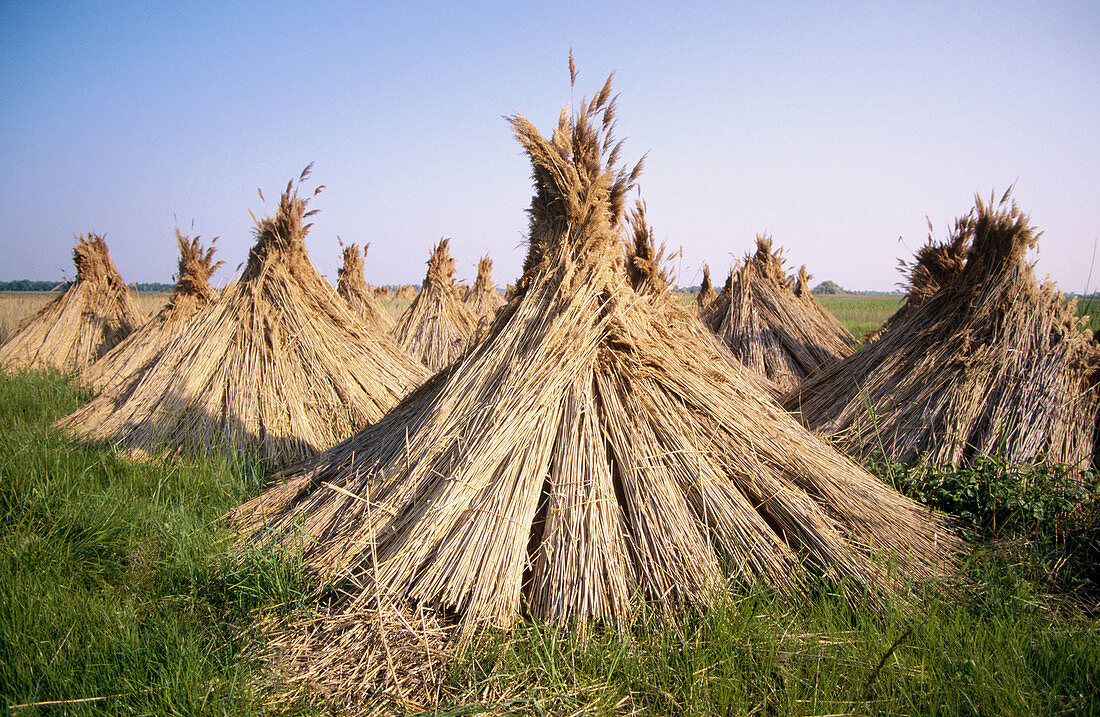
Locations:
(437, 326)
(87, 320)
(936, 264)
(643, 261)
(483, 298)
(278, 366)
(769, 328)
(706, 294)
(587, 452)
(191, 294)
(991, 363)
(351, 285)
(712, 313)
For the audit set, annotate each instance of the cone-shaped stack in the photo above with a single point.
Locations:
(438, 325)
(706, 294)
(278, 366)
(937, 264)
(587, 451)
(713, 312)
(191, 294)
(768, 328)
(87, 320)
(351, 285)
(992, 363)
(483, 298)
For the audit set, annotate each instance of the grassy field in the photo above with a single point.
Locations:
(1090, 307)
(861, 313)
(118, 595)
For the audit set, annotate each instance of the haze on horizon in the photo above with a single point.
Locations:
(840, 130)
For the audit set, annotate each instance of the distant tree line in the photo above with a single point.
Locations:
(28, 285)
(828, 287)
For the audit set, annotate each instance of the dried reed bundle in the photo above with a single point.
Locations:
(437, 326)
(713, 312)
(406, 292)
(644, 264)
(992, 363)
(587, 452)
(351, 285)
(278, 366)
(483, 298)
(937, 264)
(643, 258)
(87, 320)
(770, 329)
(706, 294)
(191, 294)
(383, 293)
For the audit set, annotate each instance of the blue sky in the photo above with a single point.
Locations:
(836, 129)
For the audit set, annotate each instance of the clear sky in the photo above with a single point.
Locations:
(836, 128)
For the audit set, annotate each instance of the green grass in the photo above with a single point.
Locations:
(1090, 306)
(997, 654)
(115, 584)
(861, 313)
(1017, 633)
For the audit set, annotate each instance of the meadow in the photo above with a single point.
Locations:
(861, 313)
(121, 592)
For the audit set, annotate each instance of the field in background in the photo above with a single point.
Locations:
(1090, 307)
(16, 306)
(861, 313)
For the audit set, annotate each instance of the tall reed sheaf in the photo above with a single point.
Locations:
(483, 299)
(92, 315)
(768, 327)
(437, 325)
(991, 363)
(587, 453)
(352, 286)
(936, 265)
(706, 293)
(277, 367)
(191, 294)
